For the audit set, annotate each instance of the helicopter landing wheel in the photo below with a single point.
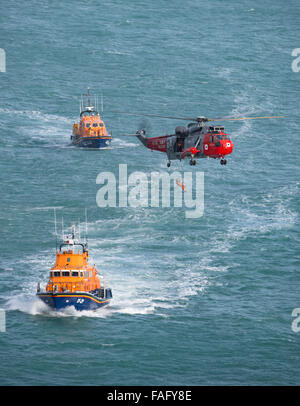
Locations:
(192, 162)
(168, 164)
(223, 161)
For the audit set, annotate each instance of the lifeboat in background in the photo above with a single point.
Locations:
(90, 131)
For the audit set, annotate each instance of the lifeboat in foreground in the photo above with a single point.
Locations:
(90, 131)
(72, 281)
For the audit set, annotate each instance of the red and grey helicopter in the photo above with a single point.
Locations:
(196, 140)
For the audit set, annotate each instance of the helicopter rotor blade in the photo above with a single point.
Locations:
(242, 118)
(154, 115)
(238, 115)
(197, 119)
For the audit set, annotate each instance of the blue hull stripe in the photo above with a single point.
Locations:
(79, 301)
(88, 142)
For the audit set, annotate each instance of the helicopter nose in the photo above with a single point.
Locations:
(227, 145)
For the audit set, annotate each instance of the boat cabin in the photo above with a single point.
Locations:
(71, 272)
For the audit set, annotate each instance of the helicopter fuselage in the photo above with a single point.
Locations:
(194, 141)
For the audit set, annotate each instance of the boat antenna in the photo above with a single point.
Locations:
(79, 228)
(86, 227)
(55, 229)
(102, 106)
(62, 228)
(88, 96)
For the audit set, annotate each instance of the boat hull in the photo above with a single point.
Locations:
(81, 301)
(91, 142)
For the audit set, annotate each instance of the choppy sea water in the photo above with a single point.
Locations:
(204, 301)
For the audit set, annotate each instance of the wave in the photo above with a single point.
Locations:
(141, 287)
(121, 143)
(37, 115)
(147, 271)
(270, 211)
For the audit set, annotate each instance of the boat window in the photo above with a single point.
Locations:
(81, 273)
(75, 273)
(51, 274)
(95, 124)
(101, 125)
(65, 273)
(56, 273)
(88, 125)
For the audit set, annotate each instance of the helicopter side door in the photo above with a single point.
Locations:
(195, 140)
(171, 147)
(210, 147)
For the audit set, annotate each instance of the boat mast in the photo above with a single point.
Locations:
(96, 102)
(62, 228)
(81, 104)
(55, 229)
(86, 228)
(88, 97)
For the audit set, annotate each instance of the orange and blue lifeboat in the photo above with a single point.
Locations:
(72, 281)
(90, 131)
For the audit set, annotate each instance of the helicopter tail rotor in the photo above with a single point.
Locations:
(141, 135)
(145, 125)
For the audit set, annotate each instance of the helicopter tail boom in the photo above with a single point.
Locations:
(153, 143)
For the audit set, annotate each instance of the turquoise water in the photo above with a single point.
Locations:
(204, 301)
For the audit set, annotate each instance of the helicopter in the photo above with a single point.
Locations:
(197, 140)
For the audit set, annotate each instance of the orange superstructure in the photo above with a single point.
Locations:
(90, 126)
(72, 272)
